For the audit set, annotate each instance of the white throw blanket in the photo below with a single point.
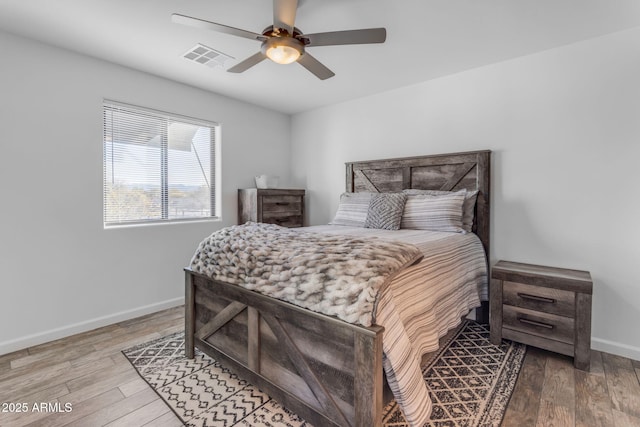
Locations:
(336, 275)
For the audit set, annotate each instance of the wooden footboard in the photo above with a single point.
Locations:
(327, 371)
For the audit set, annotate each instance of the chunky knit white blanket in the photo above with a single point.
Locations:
(335, 275)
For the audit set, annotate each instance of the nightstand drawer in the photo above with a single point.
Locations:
(271, 204)
(548, 300)
(284, 220)
(545, 325)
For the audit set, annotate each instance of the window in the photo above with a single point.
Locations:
(157, 167)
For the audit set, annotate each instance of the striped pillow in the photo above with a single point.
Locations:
(435, 213)
(352, 210)
(385, 211)
(468, 207)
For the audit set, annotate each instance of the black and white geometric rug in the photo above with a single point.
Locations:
(470, 380)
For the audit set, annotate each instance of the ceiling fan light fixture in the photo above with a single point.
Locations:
(283, 50)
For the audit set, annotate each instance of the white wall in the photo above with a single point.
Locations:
(564, 127)
(60, 271)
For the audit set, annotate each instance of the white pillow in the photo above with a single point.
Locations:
(352, 209)
(434, 212)
(468, 207)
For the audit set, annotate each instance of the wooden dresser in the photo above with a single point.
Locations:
(274, 206)
(544, 307)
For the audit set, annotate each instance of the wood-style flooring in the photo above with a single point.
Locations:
(89, 372)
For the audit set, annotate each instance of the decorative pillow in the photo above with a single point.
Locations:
(352, 210)
(468, 207)
(434, 212)
(385, 211)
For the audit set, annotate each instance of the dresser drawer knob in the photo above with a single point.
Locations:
(534, 323)
(536, 298)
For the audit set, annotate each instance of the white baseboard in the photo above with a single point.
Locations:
(76, 328)
(615, 348)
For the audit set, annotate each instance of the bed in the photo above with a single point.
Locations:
(328, 371)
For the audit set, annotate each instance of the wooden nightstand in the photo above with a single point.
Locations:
(273, 206)
(544, 307)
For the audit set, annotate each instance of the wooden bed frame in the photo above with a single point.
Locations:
(325, 370)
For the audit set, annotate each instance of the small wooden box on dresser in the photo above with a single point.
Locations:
(274, 206)
(544, 307)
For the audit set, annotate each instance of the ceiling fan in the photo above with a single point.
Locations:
(283, 43)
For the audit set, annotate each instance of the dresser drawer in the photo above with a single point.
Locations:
(545, 325)
(280, 204)
(537, 298)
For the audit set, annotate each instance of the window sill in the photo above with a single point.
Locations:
(161, 222)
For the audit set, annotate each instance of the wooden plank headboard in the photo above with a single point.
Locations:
(470, 170)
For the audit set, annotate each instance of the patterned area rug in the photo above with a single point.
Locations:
(470, 379)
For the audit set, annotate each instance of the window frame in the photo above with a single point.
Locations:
(215, 164)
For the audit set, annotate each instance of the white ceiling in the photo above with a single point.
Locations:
(426, 39)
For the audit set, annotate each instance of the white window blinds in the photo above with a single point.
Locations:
(157, 166)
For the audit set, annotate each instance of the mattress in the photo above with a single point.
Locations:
(422, 303)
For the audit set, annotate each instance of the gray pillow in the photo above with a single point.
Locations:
(385, 211)
(352, 210)
(468, 207)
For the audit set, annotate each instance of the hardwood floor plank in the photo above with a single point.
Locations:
(593, 404)
(623, 385)
(54, 392)
(79, 382)
(31, 382)
(46, 358)
(13, 355)
(597, 368)
(109, 413)
(525, 401)
(7, 375)
(132, 387)
(174, 313)
(553, 415)
(89, 337)
(119, 343)
(171, 330)
(559, 382)
(620, 419)
(99, 386)
(167, 420)
(142, 415)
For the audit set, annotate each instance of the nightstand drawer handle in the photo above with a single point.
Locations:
(536, 298)
(282, 203)
(534, 323)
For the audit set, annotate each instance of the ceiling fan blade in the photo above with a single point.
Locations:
(207, 25)
(247, 63)
(315, 66)
(284, 14)
(366, 36)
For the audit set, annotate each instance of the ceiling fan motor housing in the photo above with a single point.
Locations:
(283, 48)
